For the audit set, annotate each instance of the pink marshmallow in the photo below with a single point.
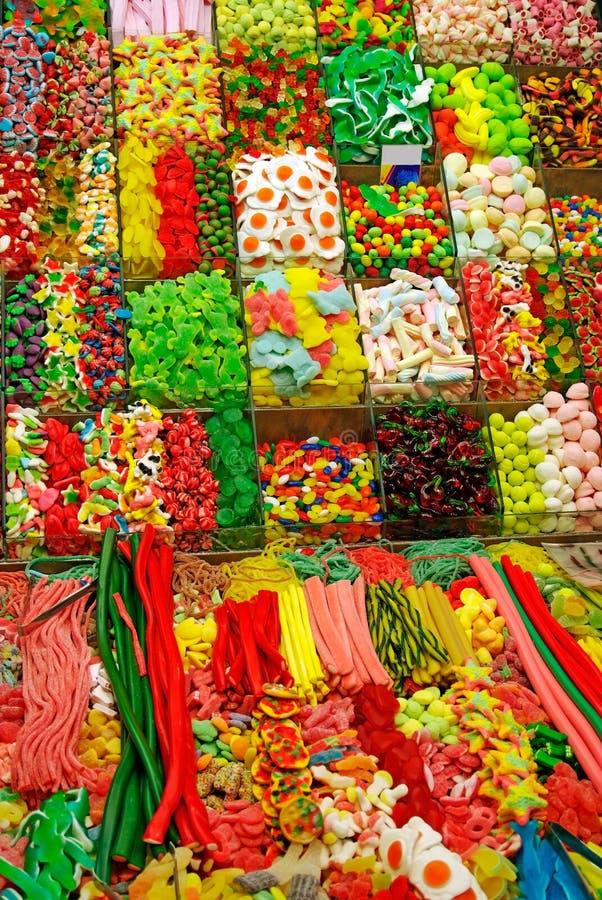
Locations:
(578, 391)
(585, 504)
(585, 489)
(574, 455)
(591, 459)
(587, 419)
(572, 430)
(567, 412)
(598, 499)
(590, 440)
(594, 477)
(553, 400)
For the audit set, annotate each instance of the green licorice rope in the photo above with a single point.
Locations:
(550, 660)
(442, 562)
(326, 561)
(106, 581)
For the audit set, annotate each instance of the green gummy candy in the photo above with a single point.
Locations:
(445, 72)
(520, 145)
(494, 71)
(496, 144)
(481, 81)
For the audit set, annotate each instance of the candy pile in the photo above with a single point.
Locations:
(523, 334)
(21, 196)
(279, 25)
(275, 97)
(78, 92)
(143, 17)
(477, 113)
(318, 481)
(413, 334)
(435, 463)
(22, 111)
(561, 110)
(468, 32)
(126, 469)
(578, 221)
(498, 209)
(186, 340)
(168, 87)
(62, 20)
(374, 23)
(548, 460)
(288, 210)
(303, 343)
(403, 227)
(175, 208)
(377, 96)
(64, 336)
(585, 299)
(569, 37)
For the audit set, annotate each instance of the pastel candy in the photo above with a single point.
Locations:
(590, 440)
(579, 391)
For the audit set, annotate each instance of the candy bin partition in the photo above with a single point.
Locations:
(297, 448)
(438, 472)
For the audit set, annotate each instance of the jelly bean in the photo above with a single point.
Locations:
(304, 346)
(288, 211)
(275, 97)
(186, 340)
(330, 486)
(402, 227)
(214, 215)
(435, 463)
(578, 221)
(365, 114)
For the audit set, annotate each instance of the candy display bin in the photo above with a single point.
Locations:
(188, 472)
(64, 335)
(476, 110)
(433, 259)
(270, 32)
(395, 24)
(399, 365)
(525, 486)
(523, 333)
(401, 77)
(168, 362)
(334, 441)
(303, 340)
(563, 133)
(424, 492)
(187, 223)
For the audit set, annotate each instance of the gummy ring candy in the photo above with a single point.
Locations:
(480, 823)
